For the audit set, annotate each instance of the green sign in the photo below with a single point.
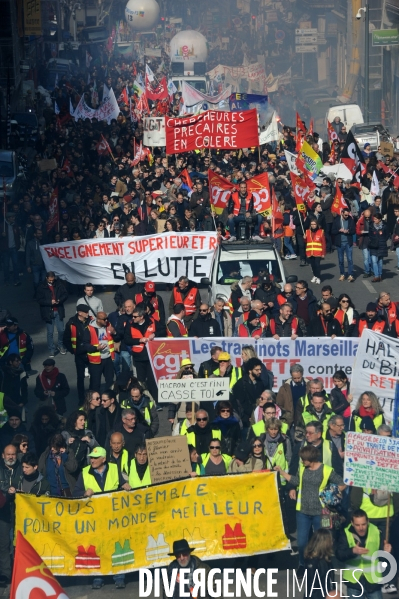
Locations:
(385, 37)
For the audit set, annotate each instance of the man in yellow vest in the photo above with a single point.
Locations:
(356, 547)
(200, 434)
(258, 429)
(101, 477)
(139, 475)
(117, 454)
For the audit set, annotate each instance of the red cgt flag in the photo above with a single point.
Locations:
(301, 190)
(102, 147)
(339, 203)
(31, 578)
(332, 134)
(278, 219)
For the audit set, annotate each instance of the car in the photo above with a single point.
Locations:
(10, 174)
(372, 133)
(235, 260)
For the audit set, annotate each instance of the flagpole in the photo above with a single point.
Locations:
(4, 204)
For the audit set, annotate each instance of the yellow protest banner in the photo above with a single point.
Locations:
(221, 516)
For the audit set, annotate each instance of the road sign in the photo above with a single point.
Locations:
(385, 37)
(305, 31)
(305, 40)
(304, 49)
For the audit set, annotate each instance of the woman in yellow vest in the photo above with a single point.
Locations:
(277, 446)
(367, 405)
(197, 468)
(101, 477)
(312, 478)
(139, 475)
(215, 463)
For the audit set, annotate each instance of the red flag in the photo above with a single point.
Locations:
(219, 191)
(333, 155)
(300, 125)
(142, 106)
(332, 134)
(54, 214)
(67, 167)
(123, 97)
(31, 577)
(156, 90)
(260, 189)
(384, 168)
(339, 203)
(300, 190)
(396, 181)
(102, 147)
(185, 177)
(311, 127)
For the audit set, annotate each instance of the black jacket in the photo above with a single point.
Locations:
(14, 385)
(205, 327)
(44, 297)
(378, 241)
(338, 401)
(40, 487)
(83, 344)
(126, 292)
(130, 341)
(203, 436)
(61, 390)
(284, 329)
(244, 395)
(136, 437)
(209, 366)
(316, 329)
(9, 477)
(370, 322)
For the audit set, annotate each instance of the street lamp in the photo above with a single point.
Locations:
(365, 10)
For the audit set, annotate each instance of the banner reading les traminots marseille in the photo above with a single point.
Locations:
(320, 357)
(160, 258)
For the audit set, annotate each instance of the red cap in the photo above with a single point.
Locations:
(149, 287)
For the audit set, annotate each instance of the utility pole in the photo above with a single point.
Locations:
(367, 62)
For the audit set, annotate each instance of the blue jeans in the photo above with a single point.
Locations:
(39, 274)
(288, 245)
(377, 266)
(232, 221)
(116, 577)
(122, 362)
(56, 321)
(304, 524)
(367, 260)
(356, 593)
(12, 255)
(345, 249)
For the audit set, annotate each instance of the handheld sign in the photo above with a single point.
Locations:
(195, 390)
(168, 458)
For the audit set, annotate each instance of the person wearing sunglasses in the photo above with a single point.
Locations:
(202, 433)
(258, 451)
(229, 424)
(205, 325)
(347, 316)
(214, 461)
(243, 460)
(324, 324)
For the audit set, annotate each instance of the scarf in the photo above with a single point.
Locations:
(31, 477)
(271, 444)
(377, 227)
(366, 412)
(225, 423)
(141, 468)
(48, 379)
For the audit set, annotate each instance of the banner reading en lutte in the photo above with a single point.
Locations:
(220, 190)
(212, 129)
(320, 357)
(160, 258)
(220, 516)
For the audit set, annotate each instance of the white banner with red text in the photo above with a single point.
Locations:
(320, 357)
(159, 258)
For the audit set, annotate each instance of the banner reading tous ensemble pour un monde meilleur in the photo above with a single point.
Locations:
(111, 533)
(160, 258)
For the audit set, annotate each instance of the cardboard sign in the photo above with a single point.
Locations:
(386, 148)
(168, 458)
(177, 390)
(372, 461)
(48, 164)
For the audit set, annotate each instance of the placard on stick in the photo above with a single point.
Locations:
(168, 458)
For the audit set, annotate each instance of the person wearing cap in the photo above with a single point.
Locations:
(94, 303)
(186, 292)
(343, 230)
(77, 341)
(52, 387)
(204, 325)
(10, 241)
(226, 369)
(150, 298)
(102, 354)
(13, 340)
(175, 326)
(101, 477)
(51, 296)
(184, 559)
(252, 327)
(372, 320)
(243, 461)
(368, 404)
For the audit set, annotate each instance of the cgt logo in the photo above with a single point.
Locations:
(166, 356)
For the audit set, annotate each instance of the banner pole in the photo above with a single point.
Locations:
(192, 412)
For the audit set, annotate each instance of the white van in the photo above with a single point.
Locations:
(198, 81)
(350, 114)
(236, 260)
